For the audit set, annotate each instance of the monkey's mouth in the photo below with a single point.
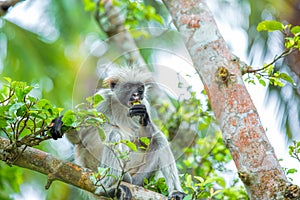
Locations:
(135, 102)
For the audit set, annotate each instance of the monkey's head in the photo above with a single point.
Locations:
(129, 85)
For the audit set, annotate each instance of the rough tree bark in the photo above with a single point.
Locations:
(243, 132)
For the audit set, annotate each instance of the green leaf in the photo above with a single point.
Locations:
(145, 140)
(188, 197)
(95, 100)
(27, 89)
(101, 134)
(286, 77)
(291, 171)
(270, 25)
(7, 79)
(3, 122)
(262, 82)
(188, 179)
(270, 69)
(146, 182)
(199, 178)
(43, 103)
(69, 118)
(14, 108)
(89, 5)
(21, 111)
(295, 30)
(102, 171)
(290, 42)
(129, 144)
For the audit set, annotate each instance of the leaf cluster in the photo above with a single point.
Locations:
(294, 150)
(205, 179)
(24, 119)
(86, 115)
(291, 43)
(135, 11)
(204, 161)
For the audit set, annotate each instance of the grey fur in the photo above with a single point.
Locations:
(91, 152)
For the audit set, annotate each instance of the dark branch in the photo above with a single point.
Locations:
(5, 5)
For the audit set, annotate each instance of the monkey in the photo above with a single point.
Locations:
(126, 106)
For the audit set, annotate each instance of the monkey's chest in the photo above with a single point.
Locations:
(139, 159)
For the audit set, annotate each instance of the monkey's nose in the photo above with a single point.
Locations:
(136, 96)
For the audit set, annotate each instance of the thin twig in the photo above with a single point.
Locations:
(282, 55)
(11, 93)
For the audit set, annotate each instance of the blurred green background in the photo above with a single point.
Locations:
(48, 43)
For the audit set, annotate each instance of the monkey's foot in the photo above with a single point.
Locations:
(123, 193)
(176, 195)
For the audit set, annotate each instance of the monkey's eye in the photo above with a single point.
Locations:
(141, 89)
(113, 85)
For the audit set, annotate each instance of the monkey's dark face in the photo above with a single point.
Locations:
(129, 93)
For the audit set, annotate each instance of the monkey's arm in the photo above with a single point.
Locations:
(168, 167)
(165, 156)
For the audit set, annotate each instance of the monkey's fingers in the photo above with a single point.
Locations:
(122, 193)
(137, 110)
(56, 128)
(134, 113)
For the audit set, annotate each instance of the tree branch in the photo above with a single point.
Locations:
(282, 55)
(67, 172)
(117, 33)
(5, 5)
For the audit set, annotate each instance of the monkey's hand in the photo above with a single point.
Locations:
(57, 128)
(123, 193)
(176, 195)
(141, 111)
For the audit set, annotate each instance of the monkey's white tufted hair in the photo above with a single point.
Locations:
(132, 73)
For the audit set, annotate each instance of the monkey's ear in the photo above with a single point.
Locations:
(110, 82)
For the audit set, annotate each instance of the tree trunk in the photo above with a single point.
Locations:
(243, 132)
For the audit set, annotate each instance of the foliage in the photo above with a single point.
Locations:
(123, 157)
(292, 43)
(294, 150)
(10, 180)
(204, 167)
(204, 161)
(205, 179)
(156, 184)
(26, 120)
(135, 11)
(85, 115)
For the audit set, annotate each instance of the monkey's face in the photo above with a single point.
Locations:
(129, 93)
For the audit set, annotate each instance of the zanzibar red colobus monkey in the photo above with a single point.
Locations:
(126, 107)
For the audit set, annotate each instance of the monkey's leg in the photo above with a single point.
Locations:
(168, 167)
(109, 158)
